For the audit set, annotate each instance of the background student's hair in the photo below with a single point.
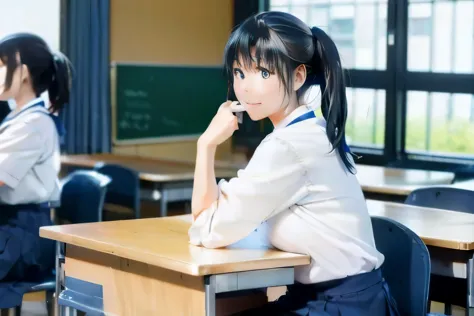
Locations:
(283, 42)
(4, 110)
(48, 71)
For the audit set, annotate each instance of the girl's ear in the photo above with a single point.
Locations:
(24, 73)
(299, 77)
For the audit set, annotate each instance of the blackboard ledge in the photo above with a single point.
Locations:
(156, 140)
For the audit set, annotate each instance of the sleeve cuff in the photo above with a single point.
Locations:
(8, 179)
(201, 225)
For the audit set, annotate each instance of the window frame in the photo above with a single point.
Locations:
(397, 81)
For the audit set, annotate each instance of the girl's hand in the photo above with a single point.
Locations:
(222, 126)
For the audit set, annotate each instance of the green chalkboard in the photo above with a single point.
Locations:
(153, 103)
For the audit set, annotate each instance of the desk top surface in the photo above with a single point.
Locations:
(155, 170)
(164, 242)
(440, 228)
(399, 181)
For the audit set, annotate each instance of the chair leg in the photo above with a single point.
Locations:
(50, 303)
(447, 309)
(14, 311)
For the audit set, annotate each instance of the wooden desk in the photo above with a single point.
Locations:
(152, 170)
(394, 181)
(387, 181)
(448, 235)
(148, 267)
(172, 180)
(439, 228)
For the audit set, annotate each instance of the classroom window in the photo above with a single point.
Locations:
(41, 18)
(359, 28)
(410, 76)
(441, 36)
(440, 123)
(365, 125)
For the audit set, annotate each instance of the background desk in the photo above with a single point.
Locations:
(172, 180)
(396, 184)
(387, 183)
(449, 236)
(148, 267)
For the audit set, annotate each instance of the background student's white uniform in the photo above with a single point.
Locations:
(29, 155)
(29, 167)
(309, 200)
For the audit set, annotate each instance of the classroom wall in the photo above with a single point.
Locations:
(176, 32)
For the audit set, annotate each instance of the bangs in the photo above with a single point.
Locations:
(270, 52)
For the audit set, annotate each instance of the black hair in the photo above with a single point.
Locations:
(48, 71)
(282, 43)
(4, 110)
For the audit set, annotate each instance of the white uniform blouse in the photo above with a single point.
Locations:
(29, 156)
(300, 191)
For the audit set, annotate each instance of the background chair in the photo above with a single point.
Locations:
(82, 200)
(407, 265)
(124, 190)
(447, 198)
(453, 199)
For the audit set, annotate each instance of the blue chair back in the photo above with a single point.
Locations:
(448, 198)
(82, 197)
(407, 265)
(124, 190)
(464, 173)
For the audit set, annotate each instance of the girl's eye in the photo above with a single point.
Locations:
(265, 74)
(239, 73)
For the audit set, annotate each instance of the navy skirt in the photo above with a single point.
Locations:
(25, 258)
(359, 295)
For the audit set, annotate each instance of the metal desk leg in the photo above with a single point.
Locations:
(470, 287)
(164, 202)
(59, 277)
(210, 287)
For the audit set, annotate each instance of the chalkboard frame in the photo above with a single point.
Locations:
(113, 101)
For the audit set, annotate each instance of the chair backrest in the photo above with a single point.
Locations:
(448, 198)
(124, 190)
(464, 173)
(82, 197)
(407, 265)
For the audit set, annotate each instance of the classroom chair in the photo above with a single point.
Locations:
(447, 198)
(124, 190)
(407, 265)
(464, 173)
(82, 200)
(82, 197)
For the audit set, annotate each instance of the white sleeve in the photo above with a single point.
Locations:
(21, 146)
(273, 180)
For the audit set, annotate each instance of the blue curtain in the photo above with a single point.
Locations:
(85, 40)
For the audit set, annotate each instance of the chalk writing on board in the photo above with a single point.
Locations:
(137, 99)
(135, 93)
(135, 121)
(169, 122)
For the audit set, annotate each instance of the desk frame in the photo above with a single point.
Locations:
(213, 285)
(455, 263)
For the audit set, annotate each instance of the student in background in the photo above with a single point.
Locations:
(29, 159)
(300, 180)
